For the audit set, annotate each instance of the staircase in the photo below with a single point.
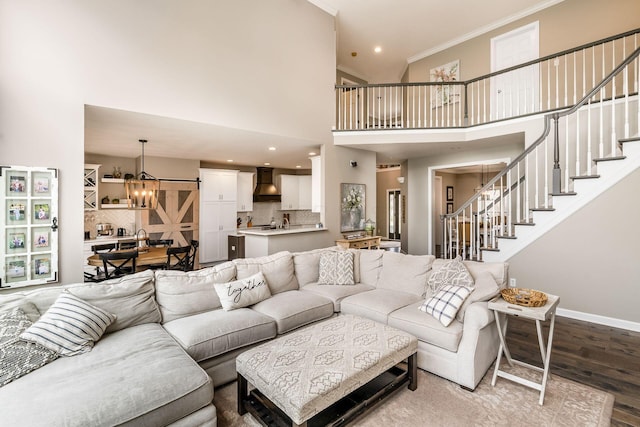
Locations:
(583, 151)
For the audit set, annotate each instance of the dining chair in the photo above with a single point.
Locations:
(160, 243)
(178, 258)
(192, 254)
(97, 249)
(117, 264)
(127, 244)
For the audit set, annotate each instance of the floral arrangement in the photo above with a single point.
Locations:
(353, 199)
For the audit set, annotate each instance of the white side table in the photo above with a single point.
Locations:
(539, 314)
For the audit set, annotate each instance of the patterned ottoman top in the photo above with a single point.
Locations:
(306, 371)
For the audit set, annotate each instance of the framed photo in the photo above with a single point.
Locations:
(449, 193)
(16, 240)
(17, 184)
(16, 211)
(41, 239)
(42, 267)
(449, 208)
(352, 203)
(41, 211)
(41, 185)
(16, 269)
(445, 94)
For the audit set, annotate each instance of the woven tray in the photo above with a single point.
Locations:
(524, 297)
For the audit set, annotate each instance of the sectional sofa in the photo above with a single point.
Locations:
(172, 341)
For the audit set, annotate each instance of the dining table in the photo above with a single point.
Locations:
(146, 257)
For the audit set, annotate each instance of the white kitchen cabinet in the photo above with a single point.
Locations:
(296, 192)
(217, 221)
(316, 184)
(304, 190)
(219, 185)
(245, 191)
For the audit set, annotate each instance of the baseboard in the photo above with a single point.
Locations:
(600, 320)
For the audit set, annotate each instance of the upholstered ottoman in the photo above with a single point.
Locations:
(307, 371)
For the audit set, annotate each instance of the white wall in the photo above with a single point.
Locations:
(246, 64)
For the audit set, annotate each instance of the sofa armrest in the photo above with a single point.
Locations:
(478, 316)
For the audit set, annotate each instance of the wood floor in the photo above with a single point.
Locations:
(598, 356)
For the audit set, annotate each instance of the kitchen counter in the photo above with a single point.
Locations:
(294, 229)
(259, 242)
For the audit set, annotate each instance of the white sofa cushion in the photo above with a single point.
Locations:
(376, 304)
(70, 326)
(243, 292)
(182, 293)
(277, 269)
(426, 328)
(336, 293)
(216, 332)
(406, 273)
(130, 298)
(370, 266)
(293, 309)
(137, 376)
(307, 265)
(444, 305)
(336, 268)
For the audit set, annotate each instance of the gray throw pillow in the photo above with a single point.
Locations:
(453, 272)
(18, 357)
(336, 268)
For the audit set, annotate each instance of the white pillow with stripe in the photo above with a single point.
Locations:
(444, 305)
(71, 326)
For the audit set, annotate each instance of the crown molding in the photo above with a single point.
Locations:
(324, 6)
(482, 30)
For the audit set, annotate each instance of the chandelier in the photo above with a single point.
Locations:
(142, 190)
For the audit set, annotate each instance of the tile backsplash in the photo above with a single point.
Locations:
(264, 211)
(118, 218)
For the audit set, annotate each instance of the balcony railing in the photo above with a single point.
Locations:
(543, 85)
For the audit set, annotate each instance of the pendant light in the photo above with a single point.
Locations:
(142, 190)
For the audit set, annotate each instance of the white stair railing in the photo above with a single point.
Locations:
(610, 110)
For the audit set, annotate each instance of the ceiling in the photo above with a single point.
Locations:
(409, 30)
(406, 30)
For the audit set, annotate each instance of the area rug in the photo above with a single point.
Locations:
(439, 402)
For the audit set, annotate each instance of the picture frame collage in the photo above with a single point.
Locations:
(28, 222)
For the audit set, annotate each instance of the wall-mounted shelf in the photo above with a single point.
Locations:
(114, 206)
(112, 180)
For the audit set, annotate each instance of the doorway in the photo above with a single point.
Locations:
(518, 92)
(394, 214)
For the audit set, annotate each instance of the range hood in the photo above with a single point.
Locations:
(266, 190)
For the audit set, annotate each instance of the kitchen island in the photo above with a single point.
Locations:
(296, 238)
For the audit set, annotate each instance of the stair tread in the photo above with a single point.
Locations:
(585, 177)
(607, 159)
(542, 209)
(524, 223)
(490, 249)
(507, 237)
(567, 193)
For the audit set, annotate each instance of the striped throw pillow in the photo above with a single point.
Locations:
(71, 326)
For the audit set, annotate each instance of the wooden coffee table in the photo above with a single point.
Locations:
(331, 371)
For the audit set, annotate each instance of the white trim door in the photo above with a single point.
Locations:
(518, 92)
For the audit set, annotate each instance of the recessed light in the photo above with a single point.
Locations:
(298, 166)
(230, 161)
(267, 164)
(312, 153)
(377, 49)
(272, 148)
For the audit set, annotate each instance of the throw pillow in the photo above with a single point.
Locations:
(71, 326)
(336, 268)
(453, 272)
(243, 292)
(18, 357)
(444, 305)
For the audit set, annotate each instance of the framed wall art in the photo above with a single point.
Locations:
(449, 193)
(446, 94)
(352, 204)
(28, 226)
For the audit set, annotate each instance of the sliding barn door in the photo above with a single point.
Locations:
(177, 216)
